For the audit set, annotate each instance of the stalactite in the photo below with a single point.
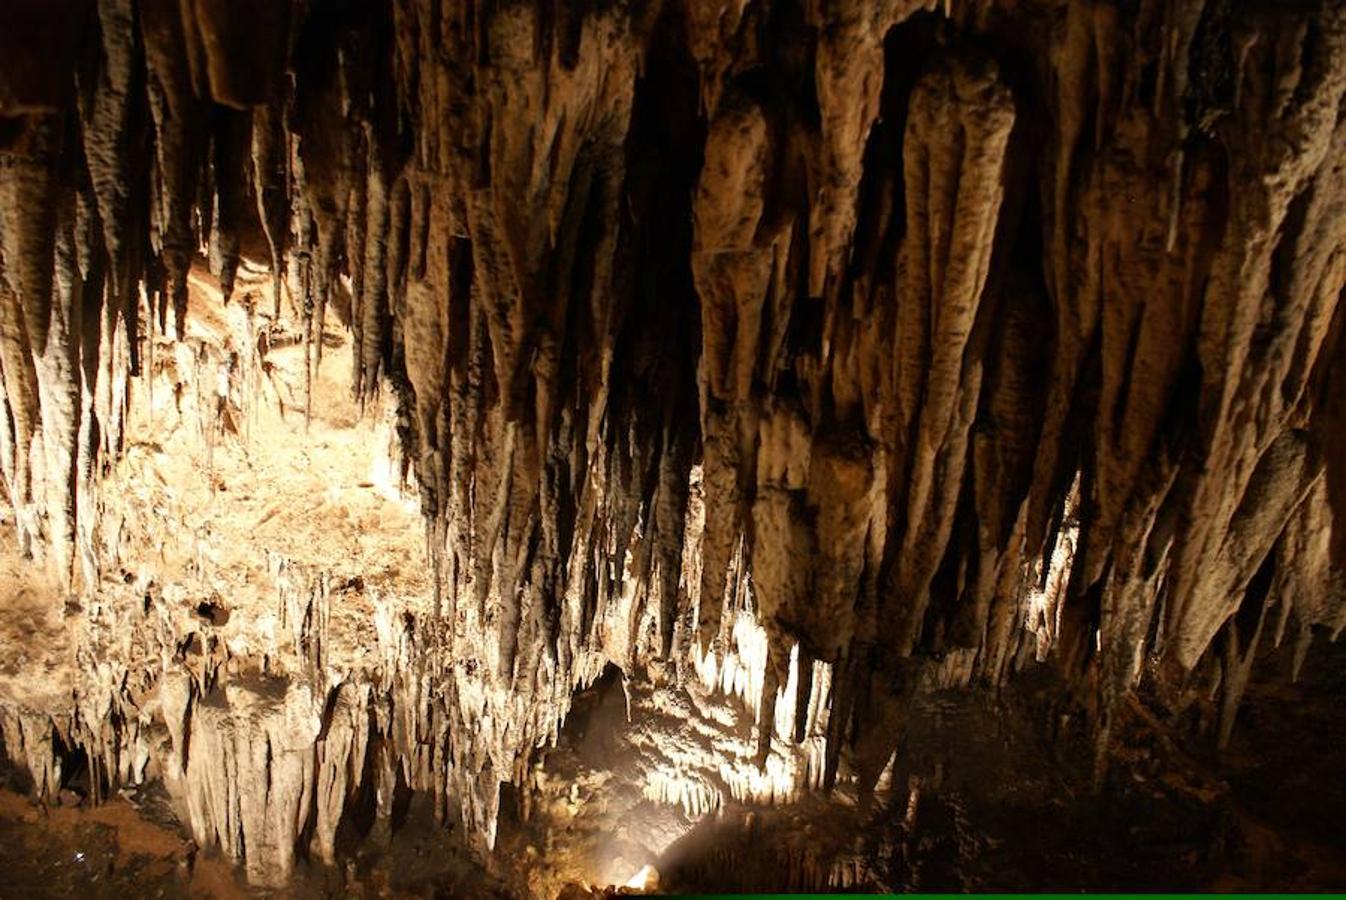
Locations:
(952, 205)
(177, 113)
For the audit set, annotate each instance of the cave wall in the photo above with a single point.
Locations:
(942, 337)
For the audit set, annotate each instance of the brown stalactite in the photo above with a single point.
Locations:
(1334, 430)
(114, 115)
(230, 141)
(957, 130)
(928, 338)
(179, 117)
(1235, 353)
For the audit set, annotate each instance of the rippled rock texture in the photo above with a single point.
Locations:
(828, 352)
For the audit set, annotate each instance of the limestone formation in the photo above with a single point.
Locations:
(818, 354)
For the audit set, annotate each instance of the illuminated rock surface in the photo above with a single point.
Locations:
(804, 362)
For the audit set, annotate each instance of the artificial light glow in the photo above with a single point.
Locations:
(1043, 615)
(645, 881)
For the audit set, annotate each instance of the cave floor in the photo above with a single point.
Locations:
(1002, 814)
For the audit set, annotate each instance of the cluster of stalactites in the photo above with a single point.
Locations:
(1076, 376)
(971, 319)
(129, 141)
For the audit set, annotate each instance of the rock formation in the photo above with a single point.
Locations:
(825, 352)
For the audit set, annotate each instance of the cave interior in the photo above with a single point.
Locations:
(543, 448)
